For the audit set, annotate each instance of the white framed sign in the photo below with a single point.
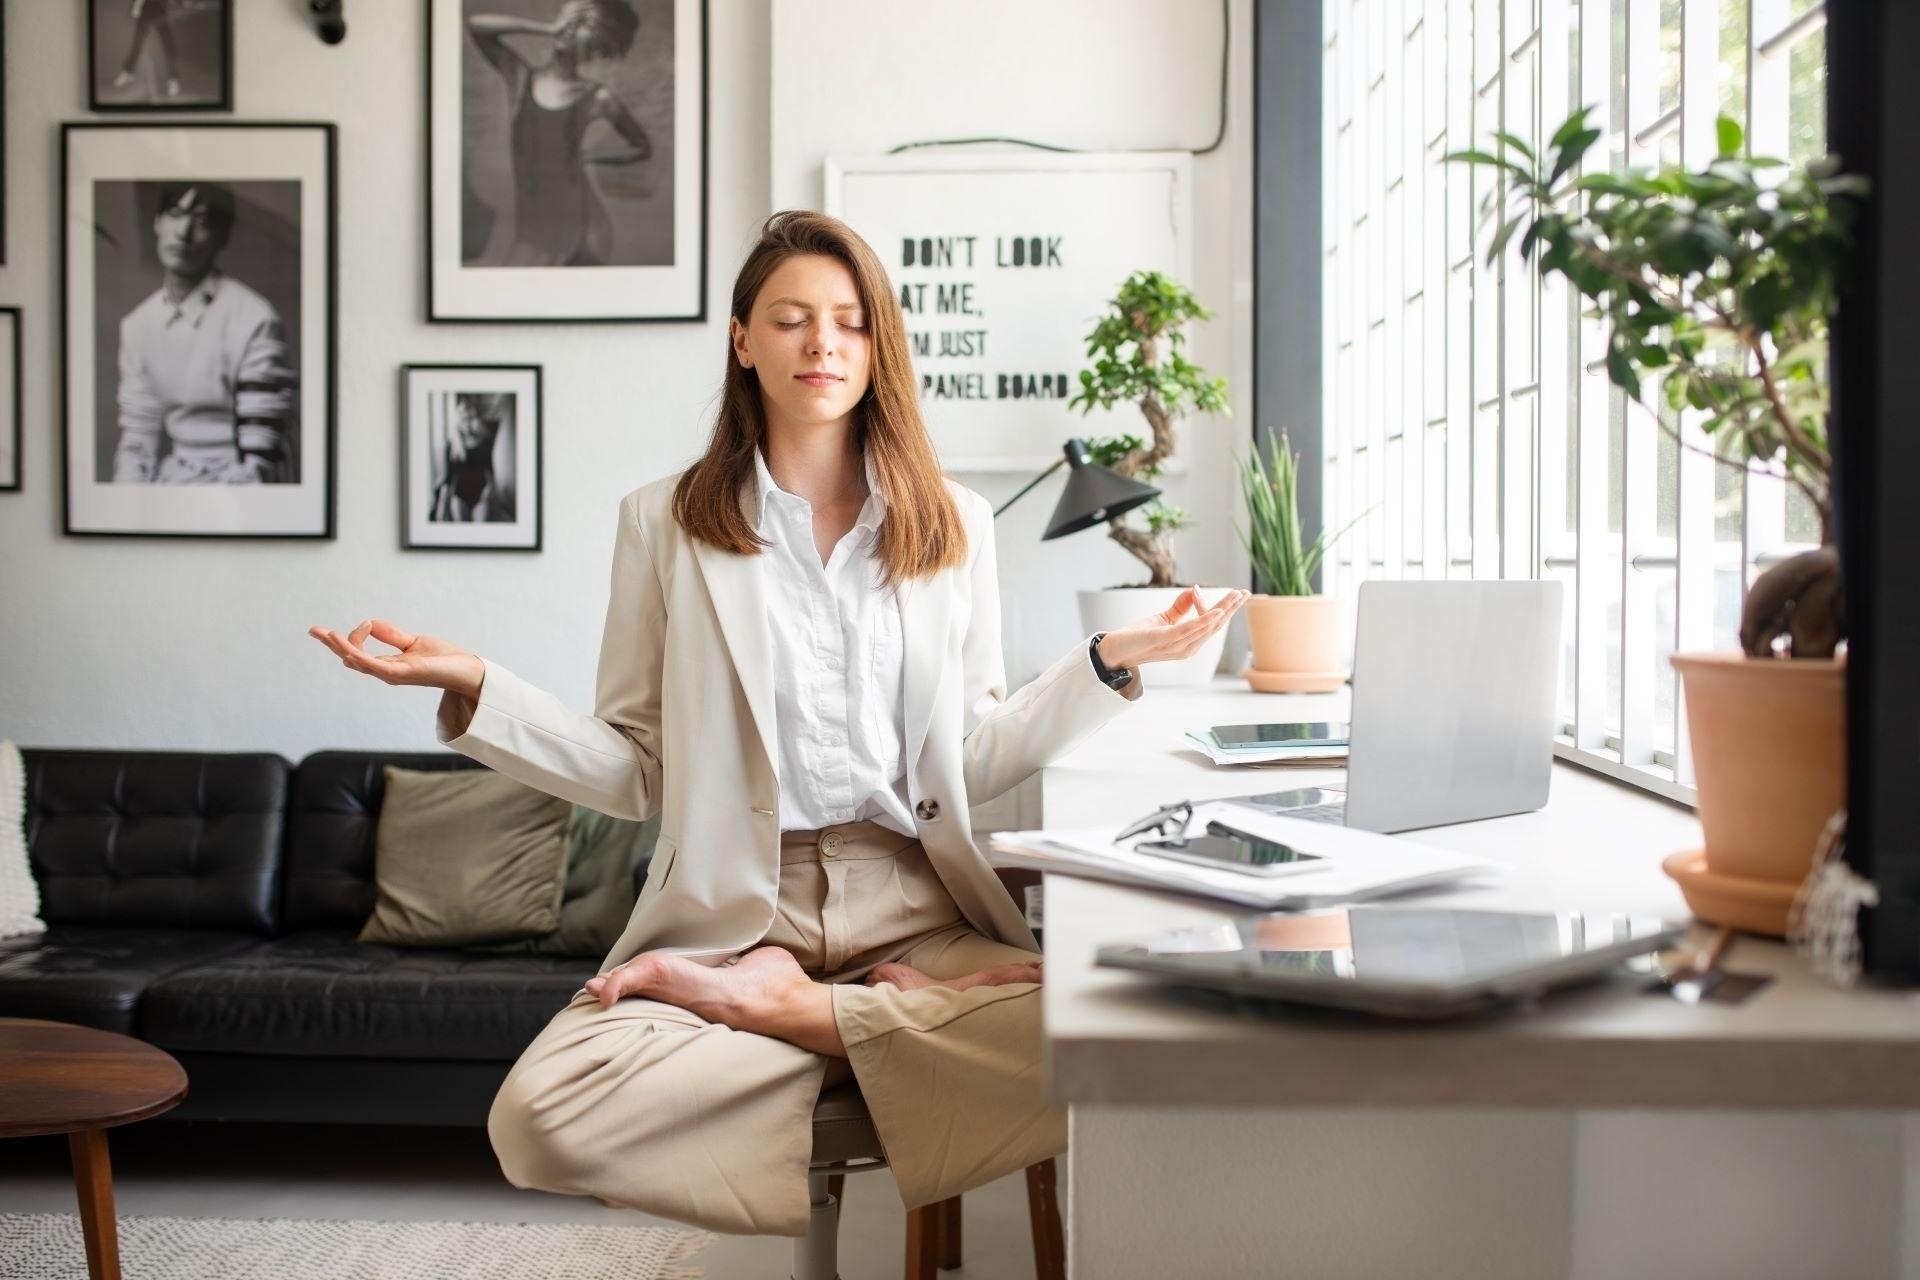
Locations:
(1002, 264)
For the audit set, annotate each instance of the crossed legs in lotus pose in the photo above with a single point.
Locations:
(766, 991)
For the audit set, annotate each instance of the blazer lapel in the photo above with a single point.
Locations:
(738, 591)
(926, 605)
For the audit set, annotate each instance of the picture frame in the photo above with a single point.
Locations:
(576, 195)
(159, 55)
(10, 433)
(1002, 263)
(223, 427)
(471, 457)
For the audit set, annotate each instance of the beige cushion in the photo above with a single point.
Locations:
(466, 856)
(607, 860)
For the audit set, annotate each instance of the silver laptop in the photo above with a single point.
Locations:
(1454, 685)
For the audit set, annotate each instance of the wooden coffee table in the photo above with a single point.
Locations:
(59, 1078)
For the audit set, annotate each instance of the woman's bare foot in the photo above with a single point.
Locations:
(765, 991)
(718, 993)
(908, 978)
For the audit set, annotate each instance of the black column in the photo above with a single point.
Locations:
(1873, 100)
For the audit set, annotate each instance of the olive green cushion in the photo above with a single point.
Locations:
(466, 857)
(607, 864)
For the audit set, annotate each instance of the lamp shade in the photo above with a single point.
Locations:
(1093, 494)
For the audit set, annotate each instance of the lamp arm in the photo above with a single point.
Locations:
(1058, 463)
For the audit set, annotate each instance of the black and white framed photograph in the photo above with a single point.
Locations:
(470, 457)
(10, 399)
(197, 328)
(160, 55)
(566, 160)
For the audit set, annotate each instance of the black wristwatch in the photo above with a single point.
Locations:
(1107, 676)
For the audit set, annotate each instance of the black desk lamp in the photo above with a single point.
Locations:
(1094, 494)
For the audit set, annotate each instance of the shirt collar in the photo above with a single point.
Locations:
(194, 306)
(766, 490)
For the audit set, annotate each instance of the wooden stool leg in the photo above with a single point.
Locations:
(1049, 1242)
(923, 1240)
(949, 1218)
(93, 1184)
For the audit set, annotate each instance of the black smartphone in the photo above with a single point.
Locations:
(1293, 733)
(1224, 847)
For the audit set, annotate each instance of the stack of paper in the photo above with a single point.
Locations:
(1279, 753)
(1353, 865)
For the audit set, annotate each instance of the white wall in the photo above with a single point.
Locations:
(192, 645)
(1094, 75)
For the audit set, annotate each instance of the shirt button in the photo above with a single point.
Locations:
(927, 810)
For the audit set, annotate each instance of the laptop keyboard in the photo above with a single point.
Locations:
(1287, 802)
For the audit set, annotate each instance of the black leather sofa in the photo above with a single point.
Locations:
(208, 903)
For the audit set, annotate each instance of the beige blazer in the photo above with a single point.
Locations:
(683, 724)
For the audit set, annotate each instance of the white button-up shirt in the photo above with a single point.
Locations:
(837, 659)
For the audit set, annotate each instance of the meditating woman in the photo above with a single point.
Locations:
(801, 671)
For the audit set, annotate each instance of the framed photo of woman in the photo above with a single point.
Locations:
(470, 457)
(197, 287)
(160, 55)
(566, 160)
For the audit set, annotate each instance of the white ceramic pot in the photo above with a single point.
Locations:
(1116, 607)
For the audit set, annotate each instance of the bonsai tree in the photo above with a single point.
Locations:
(1722, 286)
(1283, 561)
(1135, 348)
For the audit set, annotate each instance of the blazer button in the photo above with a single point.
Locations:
(927, 810)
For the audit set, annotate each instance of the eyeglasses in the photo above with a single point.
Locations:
(1170, 820)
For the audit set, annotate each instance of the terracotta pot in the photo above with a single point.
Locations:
(1296, 644)
(1114, 607)
(1770, 758)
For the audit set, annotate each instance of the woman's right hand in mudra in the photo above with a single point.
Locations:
(421, 660)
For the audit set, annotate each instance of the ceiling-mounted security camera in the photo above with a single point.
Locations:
(328, 20)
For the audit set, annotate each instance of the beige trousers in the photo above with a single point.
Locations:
(648, 1105)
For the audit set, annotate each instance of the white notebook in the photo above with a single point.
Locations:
(1353, 865)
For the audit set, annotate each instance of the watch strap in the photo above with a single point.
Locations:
(1108, 676)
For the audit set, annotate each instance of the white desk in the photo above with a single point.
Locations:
(1228, 1143)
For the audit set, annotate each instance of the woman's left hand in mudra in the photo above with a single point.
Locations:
(1175, 632)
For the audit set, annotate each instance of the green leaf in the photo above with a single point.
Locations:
(1575, 123)
(1513, 141)
(1620, 371)
(1570, 156)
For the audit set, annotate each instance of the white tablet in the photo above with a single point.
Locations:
(1413, 962)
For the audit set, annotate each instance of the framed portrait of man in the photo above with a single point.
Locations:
(566, 160)
(160, 55)
(197, 329)
(470, 457)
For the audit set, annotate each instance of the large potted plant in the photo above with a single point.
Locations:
(1135, 348)
(1295, 633)
(1721, 285)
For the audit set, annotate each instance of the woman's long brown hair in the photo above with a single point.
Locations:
(922, 531)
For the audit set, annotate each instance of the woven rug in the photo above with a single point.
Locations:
(48, 1246)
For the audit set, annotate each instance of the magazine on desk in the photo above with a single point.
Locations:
(1320, 756)
(1353, 865)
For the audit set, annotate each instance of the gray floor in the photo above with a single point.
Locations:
(201, 1168)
